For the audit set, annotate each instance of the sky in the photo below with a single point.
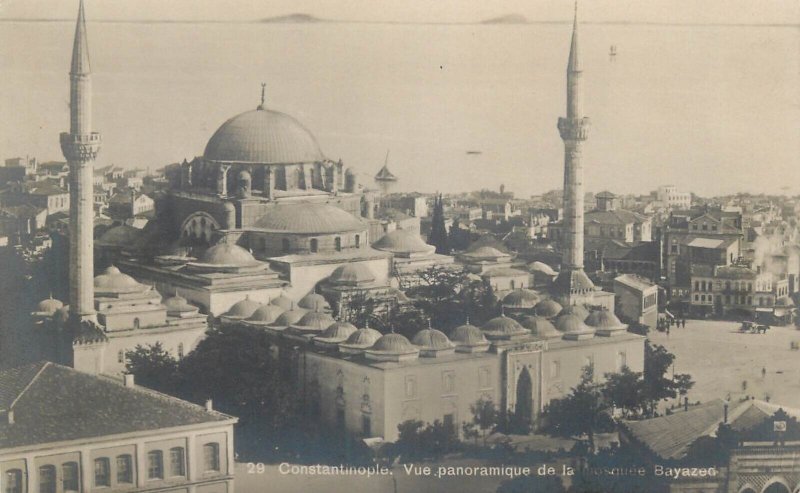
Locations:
(662, 11)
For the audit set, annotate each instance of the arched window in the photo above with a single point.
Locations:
(177, 462)
(102, 472)
(286, 245)
(155, 465)
(358, 241)
(121, 356)
(69, 477)
(314, 245)
(337, 243)
(135, 323)
(12, 481)
(47, 479)
(513, 284)
(180, 350)
(124, 469)
(211, 457)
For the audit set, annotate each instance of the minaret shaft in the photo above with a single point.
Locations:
(572, 281)
(80, 147)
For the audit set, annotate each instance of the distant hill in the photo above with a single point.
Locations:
(293, 18)
(507, 19)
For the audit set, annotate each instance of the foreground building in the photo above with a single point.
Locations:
(65, 431)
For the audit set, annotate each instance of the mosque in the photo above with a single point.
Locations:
(265, 232)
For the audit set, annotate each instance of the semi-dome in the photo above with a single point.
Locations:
(521, 299)
(351, 275)
(308, 218)
(264, 137)
(469, 339)
(265, 314)
(540, 327)
(315, 302)
(228, 254)
(503, 327)
(283, 301)
(605, 322)
(178, 306)
(578, 310)
(359, 340)
(432, 342)
(112, 281)
(572, 327)
(48, 307)
(392, 347)
(548, 308)
(242, 309)
(290, 317)
(315, 321)
(542, 267)
(403, 242)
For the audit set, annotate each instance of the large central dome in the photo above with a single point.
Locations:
(265, 137)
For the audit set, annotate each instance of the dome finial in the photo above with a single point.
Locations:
(263, 95)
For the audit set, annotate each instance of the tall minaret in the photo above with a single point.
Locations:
(572, 284)
(80, 147)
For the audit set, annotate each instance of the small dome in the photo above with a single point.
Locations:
(351, 275)
(392, 343)
(315, 320)
(228, 254)
(571, 326)
(265, 137)
(503, 327)
(242, 309)
(548, 308)
(468, 335)
(521, 299)
(315, 302)
(290, 317)
(578, 310)
(604, 321)
(403, 242)
(432, 339)
(177, 305)
(540, 327)
(308, 218)
(485, 252)
(283, 301)
(339, 331)
(359, 340)
(542, 267)
(49, 306)
(112, 281)
(265, 314)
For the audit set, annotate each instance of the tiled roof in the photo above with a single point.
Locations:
(619, 216)
(55, 403)
(634, 281)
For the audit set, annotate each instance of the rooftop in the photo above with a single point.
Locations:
(53, 403)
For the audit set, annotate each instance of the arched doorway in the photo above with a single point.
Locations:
(523, 410)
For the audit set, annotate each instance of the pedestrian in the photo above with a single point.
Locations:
(763, 372)
(667, 330)
(683, 323)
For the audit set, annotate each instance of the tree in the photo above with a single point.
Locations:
(625, 391)
(417, 440)
(153, 367)
(438, 235)
(583, 412)
(656, 386)
(485, 417)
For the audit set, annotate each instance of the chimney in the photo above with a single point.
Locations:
(209, 405)
(129, 380)
(10, 417)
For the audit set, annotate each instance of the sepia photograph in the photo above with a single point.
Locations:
(504, 246)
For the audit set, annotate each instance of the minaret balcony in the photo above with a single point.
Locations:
(574, 128)
(90, 138)
(80, 147)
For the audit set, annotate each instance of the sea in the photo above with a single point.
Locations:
(712, 109)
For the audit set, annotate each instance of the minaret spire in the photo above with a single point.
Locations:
(263, 95)
(80, 47)
(80, 147)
